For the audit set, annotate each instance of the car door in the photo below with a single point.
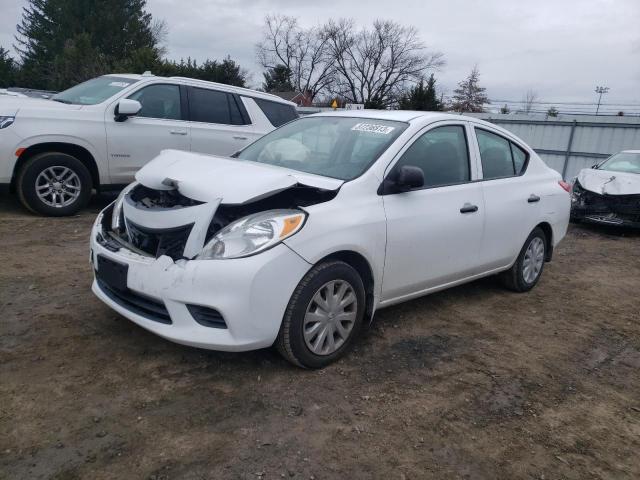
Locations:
(434, 233)
(219, 122)
(159, 125)
(511, 198)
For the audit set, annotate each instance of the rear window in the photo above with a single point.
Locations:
(277, 113)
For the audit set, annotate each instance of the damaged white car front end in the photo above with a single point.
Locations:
(175, 258)
(609, 193)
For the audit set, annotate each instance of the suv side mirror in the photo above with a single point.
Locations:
(126, 108)
(403, 179)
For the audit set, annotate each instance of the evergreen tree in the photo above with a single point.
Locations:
(421, 97)
(54, 32)
(469, 96)
(277, 79)
(8, 69)
(552, 112)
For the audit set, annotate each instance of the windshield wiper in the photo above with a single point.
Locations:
(67, 102)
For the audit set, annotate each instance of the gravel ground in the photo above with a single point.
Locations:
(474, 382)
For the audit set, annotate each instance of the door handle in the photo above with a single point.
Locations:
(178, 132)
(533, 198)
(468, 208)
(239, 137)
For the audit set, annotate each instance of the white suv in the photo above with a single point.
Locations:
(97, 134)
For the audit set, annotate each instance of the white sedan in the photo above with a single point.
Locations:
(301, 237)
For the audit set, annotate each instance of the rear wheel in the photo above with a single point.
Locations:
(527, 269)
(54, 184)
(323, 317)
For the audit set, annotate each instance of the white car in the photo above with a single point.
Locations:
(96, 135)
(315, 226)
(609, 192)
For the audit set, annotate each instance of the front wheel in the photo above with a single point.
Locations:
(323, 317)
(54, 184)
(527, 269)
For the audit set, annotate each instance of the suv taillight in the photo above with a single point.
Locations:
(565, 186)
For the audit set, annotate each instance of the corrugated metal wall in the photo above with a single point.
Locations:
(570, 143)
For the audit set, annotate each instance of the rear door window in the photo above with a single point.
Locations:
(495, 154)
(209, 106)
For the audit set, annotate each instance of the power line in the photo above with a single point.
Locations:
(564, 103)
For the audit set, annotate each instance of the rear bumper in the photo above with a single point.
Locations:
(251, 294)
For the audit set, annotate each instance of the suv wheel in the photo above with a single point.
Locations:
(527, 269)
(54, 184)
(323, 317)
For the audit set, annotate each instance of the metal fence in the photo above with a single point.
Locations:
(567, 143)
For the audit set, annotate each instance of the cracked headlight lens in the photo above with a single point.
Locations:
(253, 234)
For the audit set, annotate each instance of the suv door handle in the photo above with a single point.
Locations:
(177, 132)
(239, 137)
(533, 198)
(468, 208)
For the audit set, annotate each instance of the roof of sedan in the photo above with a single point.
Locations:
(397, 115)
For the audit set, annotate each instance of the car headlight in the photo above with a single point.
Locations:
(253, 234)
(116, 215)
(5, 121)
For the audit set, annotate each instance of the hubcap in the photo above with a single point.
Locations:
(533, 260)
(330, 317)
(58, 186)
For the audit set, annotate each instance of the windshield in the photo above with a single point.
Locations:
(93, 91)
(338, 147)
(622, 162)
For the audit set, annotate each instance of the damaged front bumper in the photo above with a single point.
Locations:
(232, 305)
(618, 210)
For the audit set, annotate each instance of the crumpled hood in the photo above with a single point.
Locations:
(608, 182)
(208, 178)
(10, 105)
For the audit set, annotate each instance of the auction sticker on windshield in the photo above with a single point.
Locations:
(373, 128)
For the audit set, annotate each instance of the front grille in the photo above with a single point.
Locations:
(157, 242)
(138, 304)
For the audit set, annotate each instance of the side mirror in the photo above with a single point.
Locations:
(409, 177)
(403, 179)
(126, 108)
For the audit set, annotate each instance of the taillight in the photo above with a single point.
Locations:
(565, 186)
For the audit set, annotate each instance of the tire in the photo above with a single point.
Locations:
(324, 277)
(516, 277)
(74, 189)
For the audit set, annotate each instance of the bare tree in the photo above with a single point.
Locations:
(528, 100)
(470, 96)
(373, 66)
(302, 51)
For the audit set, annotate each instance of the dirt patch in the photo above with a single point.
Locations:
(473, 382)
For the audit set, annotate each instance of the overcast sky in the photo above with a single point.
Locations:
(561, 49)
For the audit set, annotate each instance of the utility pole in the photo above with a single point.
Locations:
(601, 91)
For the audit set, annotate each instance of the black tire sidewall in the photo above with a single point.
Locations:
(30, 172)
(522, 284)
(316, 278)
